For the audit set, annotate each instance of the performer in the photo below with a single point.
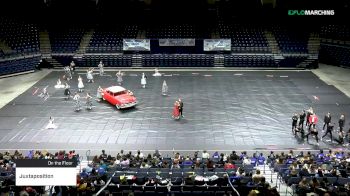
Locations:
(44, 94)
(89, 75)
(327, 120)
(119, 75)
(156, 72)
(80, 84)
(67, 91)
(341, 122)
(143, 80)
(51, 125)
(76, 98)
(88, 101)
(329, 130)
(72, 67)
(99, 94)
(164, 88)
(302, 119)
(181, 107)
(59, 84)
(294, 123)
(130, 93)
(309, 112)
(313, 119)
(176, 112)
(314, 132)
(68, 73)
(101, 69)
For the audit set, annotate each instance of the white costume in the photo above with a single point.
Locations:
(59, 84)
(89, 75)
(99, 93)
(80, 84)
(76, 98)
(156, 72)
(143, 80)
(100, 66)
(119, 77)
(164, 88)
(51, 125)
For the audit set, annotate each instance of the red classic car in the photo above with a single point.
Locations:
(119, 96)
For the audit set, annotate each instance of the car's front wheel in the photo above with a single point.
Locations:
(118, 107)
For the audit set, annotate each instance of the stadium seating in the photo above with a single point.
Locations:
(108, 60)
(178, 31)
(18, 65)
(65, 41)
(249, 61)
(336, 32)
(291, 40)
(178, 60)
(245, 38)
(335, 55)
(111, 40)
(19, 36)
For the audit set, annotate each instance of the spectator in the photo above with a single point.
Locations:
(261, 159)
(205, 155)
(216, 155)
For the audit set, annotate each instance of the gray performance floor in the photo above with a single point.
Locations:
(247, 110)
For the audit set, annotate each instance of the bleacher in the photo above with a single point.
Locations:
(18, 65)
(21, 37)
(249, 61)
(291, 40)
(177, 31)
(335, 54)
(245, 38)
(178, 60)
(66, 40)
(110, 40)
(335, 32)
(108, 60)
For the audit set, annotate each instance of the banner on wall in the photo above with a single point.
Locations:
(177, 42)
(217, 45)
(136, 45)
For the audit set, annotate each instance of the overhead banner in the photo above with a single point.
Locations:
(136, 45)
(217, 45)
(177, 42)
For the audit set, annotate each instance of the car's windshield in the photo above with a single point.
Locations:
(119, 93)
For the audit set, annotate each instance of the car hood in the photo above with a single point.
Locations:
(125, 98)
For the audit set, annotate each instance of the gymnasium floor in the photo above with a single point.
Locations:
(240, 110)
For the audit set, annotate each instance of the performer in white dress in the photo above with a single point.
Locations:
(164, 88)
(59, 84)
(99, 94)
(119, 77)
(89, 75)
(156, 72)
(51, 125)
(101, 70)
(76, 98)
(80, 84)
(143, 80)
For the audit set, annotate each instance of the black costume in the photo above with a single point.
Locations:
(327, 120)
(313, 132)
(329, 130)
(181, 108)
(341, 123)
(302, 119)
(294, 123)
